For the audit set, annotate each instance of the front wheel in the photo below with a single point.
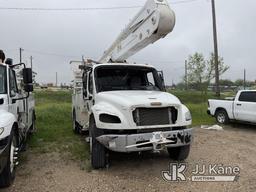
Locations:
(179, 153)
(8, 174)
(98, 151)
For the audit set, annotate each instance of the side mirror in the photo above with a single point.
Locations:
(28, 88)
(27, 76)
(9, 61)
(161, 76)
(13, 93)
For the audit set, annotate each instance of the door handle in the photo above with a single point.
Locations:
(239, 104)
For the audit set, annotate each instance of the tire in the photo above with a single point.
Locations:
(179, 153)
(222, 117)
(8, 174)
(75, 125)
(98, 151)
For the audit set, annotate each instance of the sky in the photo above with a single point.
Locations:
(54, 38)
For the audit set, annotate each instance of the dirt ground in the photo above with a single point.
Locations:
(235, 146)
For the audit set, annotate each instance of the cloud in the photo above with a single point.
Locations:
(65, 36)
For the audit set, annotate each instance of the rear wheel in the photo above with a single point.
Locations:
(98, 151)
(179, 153)
(222, 117)
(75, 124)
(8, 174)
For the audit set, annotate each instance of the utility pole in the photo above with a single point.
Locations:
(31, 62)
(56, 79)
(21, 54)
(83, 59)
(186, 74)
(244, 79)
(216, 59)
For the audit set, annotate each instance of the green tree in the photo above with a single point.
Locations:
(239, 82)
(196, 69)
(226, 82)
(211, 67)
(202, 71)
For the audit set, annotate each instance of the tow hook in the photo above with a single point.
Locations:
(158, 141)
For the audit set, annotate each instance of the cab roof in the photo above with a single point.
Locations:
(123, 64)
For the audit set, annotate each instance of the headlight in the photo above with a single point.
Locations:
(188, 116)
(1, 130)
(106, 118)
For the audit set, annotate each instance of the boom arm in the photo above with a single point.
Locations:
(154, 21)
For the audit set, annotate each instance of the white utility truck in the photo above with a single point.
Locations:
(17, 117)
(240, 108)
(124, 105)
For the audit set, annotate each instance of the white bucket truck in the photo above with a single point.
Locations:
(124, 105)
(17, 116)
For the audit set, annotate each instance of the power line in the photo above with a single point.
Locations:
(65, 9)
(84, 9)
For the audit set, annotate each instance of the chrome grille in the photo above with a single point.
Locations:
(154, 116)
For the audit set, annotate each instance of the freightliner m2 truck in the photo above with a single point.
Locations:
(125, 106)
(17, 116)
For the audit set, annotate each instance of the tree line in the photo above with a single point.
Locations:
(201, 73)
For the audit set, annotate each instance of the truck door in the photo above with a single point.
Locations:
(78, 101)
(83, 112)
(13, 94)
(90, 91)
(245, 107)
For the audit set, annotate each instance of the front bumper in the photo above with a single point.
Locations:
(155, 141)
(3, 153)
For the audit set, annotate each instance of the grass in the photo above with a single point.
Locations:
(197, 103)
(54, 126)
(199, 115)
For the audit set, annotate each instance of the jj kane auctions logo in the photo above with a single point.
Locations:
(201, 173)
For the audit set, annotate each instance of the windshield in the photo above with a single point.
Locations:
(3, 80)
(113, 78)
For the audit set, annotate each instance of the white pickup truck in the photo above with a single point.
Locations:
(240, 108)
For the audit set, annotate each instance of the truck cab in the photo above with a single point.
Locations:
(17, 116)
(126, 109)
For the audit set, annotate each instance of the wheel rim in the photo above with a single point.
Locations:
(12, 151)
(221, 118)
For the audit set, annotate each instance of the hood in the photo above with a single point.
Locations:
(3, 106)
(6, 118)
(137, 98)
